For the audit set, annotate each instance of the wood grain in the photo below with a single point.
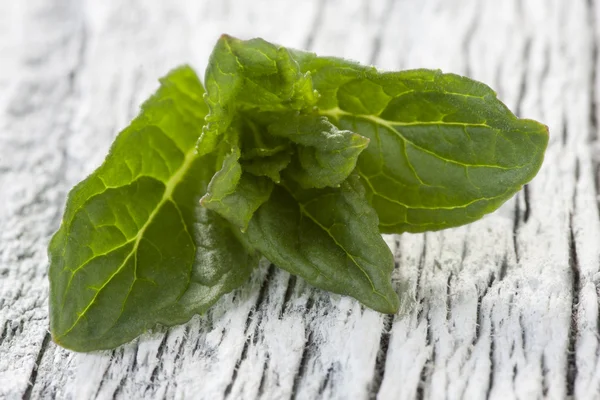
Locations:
(504, 308)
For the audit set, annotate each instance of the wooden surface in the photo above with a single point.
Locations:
(504, 308)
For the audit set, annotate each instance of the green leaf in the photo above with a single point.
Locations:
(255, 140)
(263, 154)
(234, 194)
(269, 166)
(325, 155)
(444, 150)
(135, 248)
(224, 264)
(250, 75)
(329, 237)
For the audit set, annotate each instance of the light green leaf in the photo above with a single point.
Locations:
(444, 150)
(325, 155)
(234, 194)
(250, 75)
(269, 166)
(263, 154)
(329, 237)
(255, 140)
(132, 231)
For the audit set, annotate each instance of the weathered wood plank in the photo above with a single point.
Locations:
(505, 307)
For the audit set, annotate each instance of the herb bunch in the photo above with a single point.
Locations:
(304, 160)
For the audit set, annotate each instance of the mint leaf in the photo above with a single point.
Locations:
(444, 150)
(223, 263)
(329, 237)
(300, 158)
(269, 166)
(234, 194)
(325, 155)
(250, 75)
(263, 154)
(135, 248)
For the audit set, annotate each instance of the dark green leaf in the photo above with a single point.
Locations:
(444, 150)
(135, 248)
(329, 237)
(255, 140)
(325, 155)
(223, 263)
(263, 154)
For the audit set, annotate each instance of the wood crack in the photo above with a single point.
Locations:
(449, 297)
(326, 380)
(134, 364)
(593, 118)
(425, 371)
(382, 354)
(184, 339)
(523, 334)
(544, 368)
(571, 366)
(516, 223)
(119, 388)
(306, 352)
(34, 372)
(573, 330)
(503, 268)
(289, 291)
(4, 332)
(491, 358)
(265, 368)
(159, 353)
(527, 210)
(421, 266)
(479, 322)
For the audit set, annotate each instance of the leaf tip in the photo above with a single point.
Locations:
(393, 305)
(546, 129)
(57, 339)
(228, 39)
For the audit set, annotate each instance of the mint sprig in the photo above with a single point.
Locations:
(302, 159)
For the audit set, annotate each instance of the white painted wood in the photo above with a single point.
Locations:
(504, 308)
